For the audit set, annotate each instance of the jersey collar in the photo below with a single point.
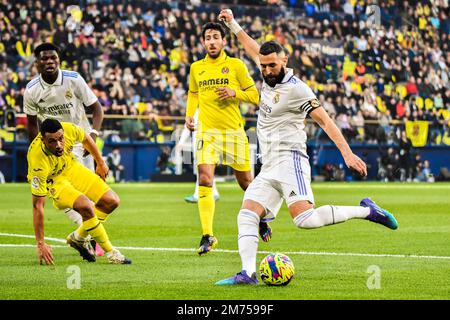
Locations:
(222, 57)
(289, 74)
(58, 81)
(287, 77)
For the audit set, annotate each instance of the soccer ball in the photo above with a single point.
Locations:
(276, 269)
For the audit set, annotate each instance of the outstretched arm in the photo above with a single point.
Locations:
(251, 47)
(352, 161)
(44, 251)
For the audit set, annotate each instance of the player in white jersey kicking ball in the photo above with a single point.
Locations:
(62, 95)
(285, 173)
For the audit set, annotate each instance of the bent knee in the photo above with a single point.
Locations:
(109, 202)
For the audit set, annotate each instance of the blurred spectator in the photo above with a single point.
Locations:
(388, 165)
(113, 160)
(424, 173)
(164, 164)
(133, 52)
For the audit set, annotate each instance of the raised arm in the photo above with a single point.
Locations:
(251, 47)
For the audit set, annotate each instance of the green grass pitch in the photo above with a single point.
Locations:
(160, 232)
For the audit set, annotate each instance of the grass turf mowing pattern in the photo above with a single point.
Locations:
(155, 215)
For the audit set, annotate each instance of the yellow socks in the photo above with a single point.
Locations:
(95, 228)
(101, 215)
(206, 207)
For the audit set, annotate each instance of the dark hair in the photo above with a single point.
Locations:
(46, 46)
(50, 125)
(270, 47)
(213, 26)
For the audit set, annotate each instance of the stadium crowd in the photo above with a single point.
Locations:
(371, 72)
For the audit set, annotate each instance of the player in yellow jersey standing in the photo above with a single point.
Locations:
(53, 171)
(217, 84)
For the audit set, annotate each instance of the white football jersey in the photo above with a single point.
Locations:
(281, 117)
(64, 100)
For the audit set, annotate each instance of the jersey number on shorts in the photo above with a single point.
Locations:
(199, 144)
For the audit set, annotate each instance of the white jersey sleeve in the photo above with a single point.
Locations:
(29, 105)
(303, 98)
(83, 92)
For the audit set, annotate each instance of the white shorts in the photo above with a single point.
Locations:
(88, 162)
(289, 180)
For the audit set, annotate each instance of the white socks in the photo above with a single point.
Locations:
(248, 227)
(74, 216)
(326, 215)
(248, 239)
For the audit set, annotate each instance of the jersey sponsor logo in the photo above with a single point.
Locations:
(59, 109)
(265, 107)
(57, 172)
(213, 82)
(68, 95)
(35, 182)
(225, 70)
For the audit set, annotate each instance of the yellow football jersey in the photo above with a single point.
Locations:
(205, 77)
(43, 165)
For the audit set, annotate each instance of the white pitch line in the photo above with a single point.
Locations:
(342, 254)
(30, 237)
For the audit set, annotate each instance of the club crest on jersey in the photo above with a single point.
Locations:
(276, 98)
(68, 94)
(225, 70)
(52, 191)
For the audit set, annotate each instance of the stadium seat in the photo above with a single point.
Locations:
(380, 105)
(428, 104)
(419, 102)
(401, 91)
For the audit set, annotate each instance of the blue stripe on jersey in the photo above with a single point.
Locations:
(32, 83)
(299, 173)
(70, 74)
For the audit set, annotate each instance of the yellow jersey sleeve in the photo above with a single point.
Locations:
(248, 91)
(38, 169)
(192, 100)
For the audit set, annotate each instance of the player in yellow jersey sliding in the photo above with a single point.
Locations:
(217, 84)
(53, 171)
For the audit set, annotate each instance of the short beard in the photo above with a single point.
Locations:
(273, 81)
(215, 56)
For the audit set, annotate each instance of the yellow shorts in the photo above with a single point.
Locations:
(219, 147)
(76, 181)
